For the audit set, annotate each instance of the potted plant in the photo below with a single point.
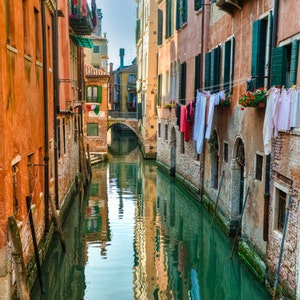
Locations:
(254, 99)
(226, 101)
(170, 105)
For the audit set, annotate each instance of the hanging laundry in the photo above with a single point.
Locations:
(270, 121)
(199, 121)
(284, 110)
(295, 109)
(210, 114)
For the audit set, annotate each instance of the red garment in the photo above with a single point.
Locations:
(184, 123)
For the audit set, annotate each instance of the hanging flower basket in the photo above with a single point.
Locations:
(226, 101)
(254, 99)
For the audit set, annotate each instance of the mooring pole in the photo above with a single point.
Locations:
(18, 259)
(240, 222)
(35, 246)
(287, 211)
(217, 201)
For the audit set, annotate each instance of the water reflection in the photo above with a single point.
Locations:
(138, 235)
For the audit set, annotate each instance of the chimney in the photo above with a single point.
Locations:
(111, 67)
(122, 53)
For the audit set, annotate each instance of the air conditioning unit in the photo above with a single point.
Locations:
(228, 5)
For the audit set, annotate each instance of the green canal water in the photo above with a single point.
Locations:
(137, 234)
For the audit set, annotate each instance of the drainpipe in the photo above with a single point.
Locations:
(46, 129)
(56, 107)
(202, 62)
(268, 157)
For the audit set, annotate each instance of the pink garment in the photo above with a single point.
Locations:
(184, 124)
(270, 120)
(83, 8)
(284, 110)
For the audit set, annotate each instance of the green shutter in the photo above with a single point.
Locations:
(258, 51)
(226, 65)
(178, 25)
(278, 66)
(86, 94)
(92, 129)
(207, 71)
(183, 83)
(232, 64)
(160, 27)
(215, 69)
(197, 72)
(197, 4)
(294, 62)
(99, 94)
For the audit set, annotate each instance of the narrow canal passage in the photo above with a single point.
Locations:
(138, 235)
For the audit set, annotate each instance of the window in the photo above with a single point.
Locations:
(197, 4)
(64, 134)
(10, 22)
(159, 89)
(182, 142)
(212, 70)
(16, 189)
(197, 83)
(166, 132)
(159, 130)
(96, 49)
(281, 200)
(25, 27)
(92, 129)
(261, 36)
(181, 13)
(258, 167)
(285, 64)
(37, 34)
(169, 18)
(225, 151)
(94, 189)
(182, 90)
(58, 138)
(159, 27)
(228, 64)
(94, 94)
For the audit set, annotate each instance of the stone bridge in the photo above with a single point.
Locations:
(126, 118)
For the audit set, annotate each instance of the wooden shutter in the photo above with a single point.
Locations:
(215, 69)
(294, 62)
(183, 83)
(258, 52)
(278, 66)
(197, 83)
(99, 94)
(160, 27)
(207, 70)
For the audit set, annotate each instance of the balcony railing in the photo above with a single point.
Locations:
(81, 21)
(122, 115)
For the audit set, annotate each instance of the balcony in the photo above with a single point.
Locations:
(81, 19)
(228, 5)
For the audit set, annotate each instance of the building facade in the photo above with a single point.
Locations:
(41, 128)
(215, 60)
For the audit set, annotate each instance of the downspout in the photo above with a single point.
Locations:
(46, 115)
(268, 157)
(202, 84)
(56, 106)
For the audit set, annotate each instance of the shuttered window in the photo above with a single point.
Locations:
(182, 83)
(92, 129)
(294, 62)
(285, 64)
(160, 27)
(197, 4)
(228, 65)
(207, 71)
(94, 94)
(197, 83)
(261, 40)
(159, 89)
(181, 13)
(212, 70)
(169, 18)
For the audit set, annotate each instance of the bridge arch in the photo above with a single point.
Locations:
(131, 124)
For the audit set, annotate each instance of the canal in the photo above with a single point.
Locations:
(137, 234)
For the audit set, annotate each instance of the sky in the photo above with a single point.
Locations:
(119, 22)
